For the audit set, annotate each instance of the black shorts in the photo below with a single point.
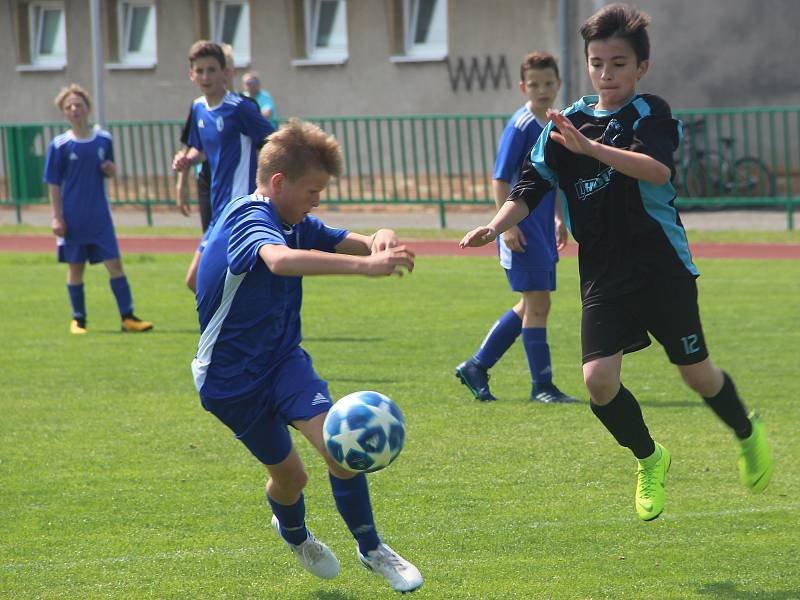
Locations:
(666, 308)
(204, 198)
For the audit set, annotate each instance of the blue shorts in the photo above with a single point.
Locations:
(104, 247)
(541, 280)
(260, 420)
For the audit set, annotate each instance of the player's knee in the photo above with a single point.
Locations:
(707, 383)
(289, 482)
(602, 385)
(339, 472)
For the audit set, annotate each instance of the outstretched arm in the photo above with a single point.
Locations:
(513, 237)
(364, 245)
(633, 164)
(511, 213)
(290, 262)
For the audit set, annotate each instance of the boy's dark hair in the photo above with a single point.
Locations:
(620, 21)
(538, 60)
(204, 48)
(72, 88)
(296, 148)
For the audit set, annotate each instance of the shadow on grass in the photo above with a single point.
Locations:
(159, 331)
(726, 590)
(334, 595)
(671, 403)
(360, 340)
(360, 381)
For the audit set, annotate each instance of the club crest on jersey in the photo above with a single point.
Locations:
(586, 187)
(101, 153)
(201, 124)
(73, 156)
(220, 123)
(613, 134)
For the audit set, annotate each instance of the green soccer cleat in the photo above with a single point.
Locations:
(755, 457)
(650, 486)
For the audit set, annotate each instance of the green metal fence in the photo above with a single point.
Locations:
(729, 157)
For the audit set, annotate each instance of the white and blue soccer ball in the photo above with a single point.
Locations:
(364, 431)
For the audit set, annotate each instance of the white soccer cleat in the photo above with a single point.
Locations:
(401, 574)
(314, 556)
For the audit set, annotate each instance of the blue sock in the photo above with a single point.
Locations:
(538, 352)
(77, 299)
(292, 519)
(352, 502)
(499, 339)
(122, 292)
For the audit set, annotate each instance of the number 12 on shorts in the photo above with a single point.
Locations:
(690, 343)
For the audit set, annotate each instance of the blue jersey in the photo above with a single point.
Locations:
(519, 136)
(249, 317)
(230, 135)
(74, 165)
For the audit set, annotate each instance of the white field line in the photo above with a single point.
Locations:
(179, 555)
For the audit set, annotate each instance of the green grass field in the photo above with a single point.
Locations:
(743, 236)
(114, 483)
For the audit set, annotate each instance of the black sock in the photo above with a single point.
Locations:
(729, 408)
(623, 419)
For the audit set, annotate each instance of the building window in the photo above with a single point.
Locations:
(326, 24)
(48, 34)
(230, 24)
(137, 32)
(426, 28)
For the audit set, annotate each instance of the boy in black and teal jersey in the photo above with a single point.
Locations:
(611, 154)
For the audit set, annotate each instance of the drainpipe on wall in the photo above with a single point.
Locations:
(97, 64)
(565, 38)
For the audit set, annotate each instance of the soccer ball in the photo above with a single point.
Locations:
(364, 431)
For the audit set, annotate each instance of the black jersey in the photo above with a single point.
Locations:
(628, 230)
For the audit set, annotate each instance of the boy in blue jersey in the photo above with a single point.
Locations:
(227, 131)
(78, 161)
(250, 370)
(528, 251)
(611, 154)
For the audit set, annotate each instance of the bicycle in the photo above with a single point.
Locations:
(707, 173)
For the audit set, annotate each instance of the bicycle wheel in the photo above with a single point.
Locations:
(750, 177)
(704, 176)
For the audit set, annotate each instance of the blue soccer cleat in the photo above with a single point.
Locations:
(476, 378)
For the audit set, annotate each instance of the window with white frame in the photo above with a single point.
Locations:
(137, 32)
(47, 34)
(326, 30)
(230, 24)
(426, 28)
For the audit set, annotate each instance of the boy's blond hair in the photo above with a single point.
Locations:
(72, 88)
(227, 50)
(295, 149)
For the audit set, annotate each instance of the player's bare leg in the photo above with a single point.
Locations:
(191, 274)
(285, 485)
(535, 307)
(351, 494)
(75, 290)
(122, 293)
(717, 389)
(620, 413)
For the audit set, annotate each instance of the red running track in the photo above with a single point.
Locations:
(46, 243)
